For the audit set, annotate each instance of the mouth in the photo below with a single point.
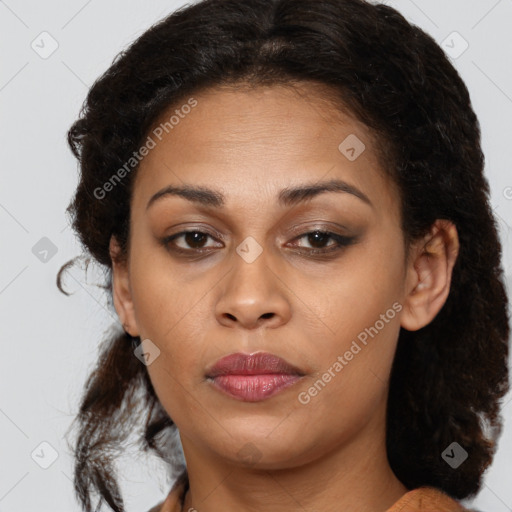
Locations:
(252, 377)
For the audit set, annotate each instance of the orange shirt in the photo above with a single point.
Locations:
(423, 499)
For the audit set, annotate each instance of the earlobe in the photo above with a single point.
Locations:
(121, 290)
(429, 275)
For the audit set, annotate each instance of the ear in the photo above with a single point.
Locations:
(121, 290)
(429, 272)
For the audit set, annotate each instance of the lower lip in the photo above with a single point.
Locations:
(254, 388)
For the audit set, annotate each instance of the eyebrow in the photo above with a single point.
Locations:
(288, 196)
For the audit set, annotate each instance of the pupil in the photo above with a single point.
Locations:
(315, 236)
(194, 237)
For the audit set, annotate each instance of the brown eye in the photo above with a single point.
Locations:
(195, 239)
(318, 241)
(190, 241)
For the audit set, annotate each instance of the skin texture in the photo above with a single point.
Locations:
(328, 454)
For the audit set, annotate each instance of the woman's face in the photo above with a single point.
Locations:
(252, 276)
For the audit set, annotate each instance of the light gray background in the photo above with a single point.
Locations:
(49, 341)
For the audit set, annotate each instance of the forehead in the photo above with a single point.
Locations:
(249, 140)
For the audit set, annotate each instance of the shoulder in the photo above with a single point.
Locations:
(426, 499)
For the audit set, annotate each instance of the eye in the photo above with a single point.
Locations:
(190, 241)
(318, 241)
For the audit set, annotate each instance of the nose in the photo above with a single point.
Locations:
(252, 295)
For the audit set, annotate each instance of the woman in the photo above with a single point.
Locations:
(295, 224)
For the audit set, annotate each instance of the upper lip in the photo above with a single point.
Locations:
(260, 363)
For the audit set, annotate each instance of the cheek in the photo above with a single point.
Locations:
(353, 361)
(170, 311)
(359, 310)
(352, 295)
(162, 298)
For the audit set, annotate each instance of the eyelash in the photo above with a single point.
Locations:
(341, 242)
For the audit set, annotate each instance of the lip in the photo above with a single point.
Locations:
(252, 377)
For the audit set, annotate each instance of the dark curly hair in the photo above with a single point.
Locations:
(448, 377)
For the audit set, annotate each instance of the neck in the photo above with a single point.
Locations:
(353, 477)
